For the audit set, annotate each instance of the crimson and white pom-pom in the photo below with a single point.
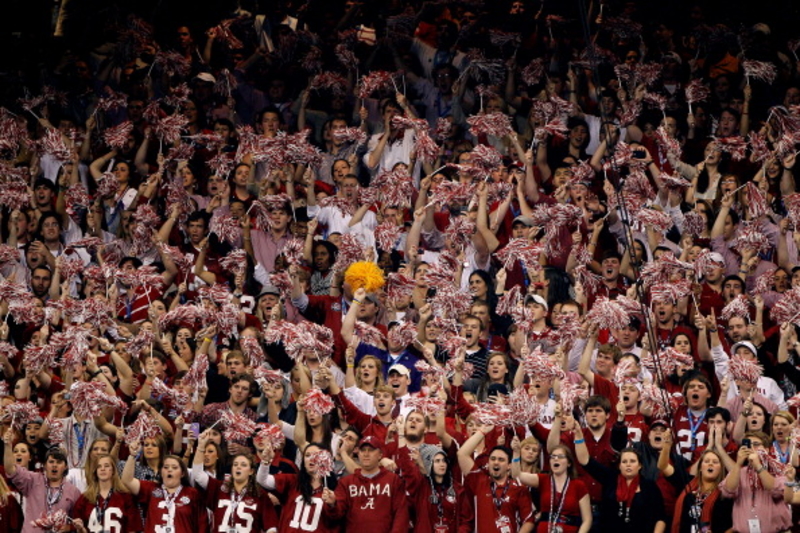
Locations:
(8, 351)
(266, 376)
(451, 301)
(607, 314)
(22, 413)
(794, 401)
(294, 339)
(567, 331)
(369, 334)
(220, 164)
(493, 414)
(668, 143)
(486, 158)
(193, 315)
(14, 196)
(459, 232)
(269, 435)
(426, 148)
(53, 143)
(451, 344)
(89, 399)
(670, 291)
(656, 100)
(659, 221)
(293, 251)
(449, 193)
(510, 300)
(741, 369)
(181, 152)
(533, 72)
(344, 205)
(647, 73)
(320, 463)
(444, 129)
(623, 371)
(749, 237)
(350, 251)
(376, 80)
(237, 426)
(116, 137)
(792, 204)
(323, 338)
(739, 306)
(8, 254)
(736, 146)
(224, 34)
(693, 223)
(764, 282)
(704, 263)
(484, 70)
(227, 228)
(658, 400)
(346, 56)
(622, 156)
(172, 63)
(402, 334)
(675, 182)
(38, 358)
(756, 201)
(399, 286)
(318, 402)
(68, 267)
(525, 410)
(355, 135)
(219, 293)
(570, 395)
(251, 347)
(430, 370)
(630, 112)
(539, 365)
(523, 250)
(759, 149)
(144, 427)
(225, 84)
(55, 521)
(760, 70)
(787, 309)
(235, 262)
(497, 124)
(394, 188)
(179, 398)
(195, 378)
(168, 129)
(387, 234)
(666, 361)
(696, 91)
(142, 340)
(582, 172)
(227, 320)
(427, 405)
(283, 282)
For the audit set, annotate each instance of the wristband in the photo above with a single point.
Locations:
(516, 460)
(351, 366)
(761, 469)
(357, 301)
(206, 339)
(579, 441)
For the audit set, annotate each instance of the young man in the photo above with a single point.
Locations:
(44, 493)
(476, 354)
(263, 245)
(371, 499)
(689, 425)
(494, 486)
(240, 392)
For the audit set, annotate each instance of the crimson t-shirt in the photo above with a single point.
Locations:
(118, 515)
(297, 515)
(190, 514)
(251, 512)
(517, 507)
(569, 508)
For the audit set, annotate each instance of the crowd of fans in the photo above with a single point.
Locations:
(438, 267)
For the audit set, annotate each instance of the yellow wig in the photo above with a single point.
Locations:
(364, 274)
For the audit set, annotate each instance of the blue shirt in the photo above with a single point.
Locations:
(407, 359)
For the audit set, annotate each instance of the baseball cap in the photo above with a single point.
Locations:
(528, 221)
(747, 344)
(536, 299)
(372, 297)
(400, 369)
(675, 57)
(269, 289)
(716, 257)
(371, 441)
(659, 422)
(206, 76)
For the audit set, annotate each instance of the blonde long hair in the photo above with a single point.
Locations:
(93, 484)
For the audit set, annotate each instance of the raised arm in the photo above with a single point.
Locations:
(465, 460)
(128, 478)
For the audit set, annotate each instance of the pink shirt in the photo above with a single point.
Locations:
(767, 507)
(33, 486)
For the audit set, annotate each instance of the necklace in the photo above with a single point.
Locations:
(552, 524)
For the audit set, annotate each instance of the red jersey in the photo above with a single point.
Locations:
(371, 504)
(133, 307)
(246, 513)
(11, 517)
(568, 511)
(298, 516)
(117, 514)
(515, 510)
(182, 510)
(690, 430)
(600, 450)
(369, 426)
(638, 428)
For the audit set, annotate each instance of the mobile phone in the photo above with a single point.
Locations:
(745, 443)
(639, 154)
(194, 428)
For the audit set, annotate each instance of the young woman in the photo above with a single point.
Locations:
(699, 506)
(237, 504)
(369, 374)
(80, 476)
(215, 459)
(171, 506)
(300, 494)
(440, 502)
(151, 460)
(497, 373)
(323, 257)
(781, 449)
(563, 500)
(106, 506)
(630, 503)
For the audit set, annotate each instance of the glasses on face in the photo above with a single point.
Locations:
(558, 456)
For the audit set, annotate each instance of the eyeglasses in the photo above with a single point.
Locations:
(558, 456)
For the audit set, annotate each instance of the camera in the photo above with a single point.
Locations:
(746, 443)
(639, 154)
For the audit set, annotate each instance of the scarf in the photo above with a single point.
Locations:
(625, 492)
(708, 505)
